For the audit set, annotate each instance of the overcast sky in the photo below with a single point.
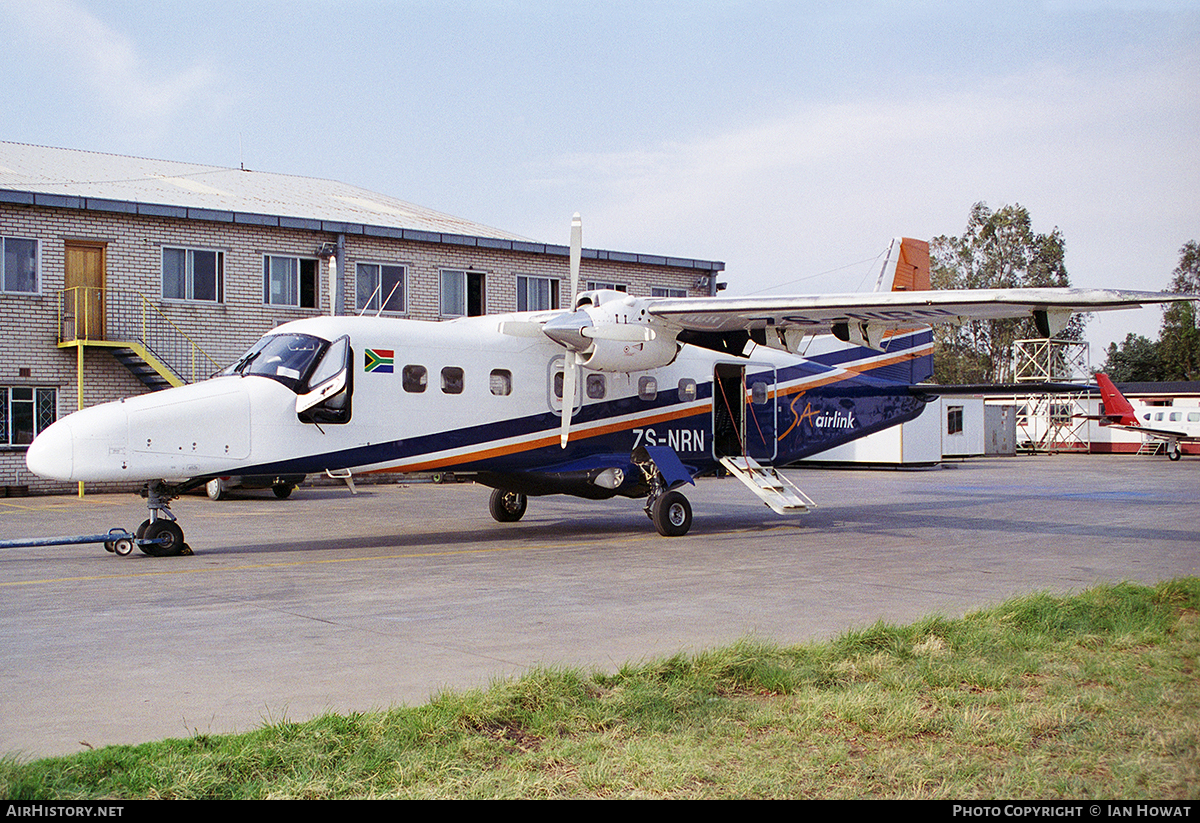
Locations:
(790, 140)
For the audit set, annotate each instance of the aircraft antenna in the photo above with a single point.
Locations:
(389, 297)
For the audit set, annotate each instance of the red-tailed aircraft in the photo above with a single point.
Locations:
(1171, 424)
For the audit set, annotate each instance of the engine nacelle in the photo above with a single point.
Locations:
(627, 338)
(624, 356)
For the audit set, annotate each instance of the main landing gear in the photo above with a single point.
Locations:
(506, 506)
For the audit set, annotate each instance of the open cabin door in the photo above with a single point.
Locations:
(744, 417)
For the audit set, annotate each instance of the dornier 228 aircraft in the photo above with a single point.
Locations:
(615, 396)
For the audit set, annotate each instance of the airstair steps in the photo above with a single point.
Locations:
(772, 488)
(1151, 445)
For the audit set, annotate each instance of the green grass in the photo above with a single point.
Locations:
(1095, 695)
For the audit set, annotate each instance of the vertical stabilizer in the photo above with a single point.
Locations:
(906, 267)
(1116, 408)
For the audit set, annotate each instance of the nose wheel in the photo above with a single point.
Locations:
(160, 536)
(163, 538)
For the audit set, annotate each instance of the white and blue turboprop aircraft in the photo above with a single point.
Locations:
(658, 392)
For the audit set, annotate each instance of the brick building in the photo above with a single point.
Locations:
(119, 275)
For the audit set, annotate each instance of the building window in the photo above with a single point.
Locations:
(663, 291)
(290, 281)
(18, 265)
(25, 412)
(193, 274)
(954, 420)
(462, 293)
(378, 283)
(536, 293)
(595, 285)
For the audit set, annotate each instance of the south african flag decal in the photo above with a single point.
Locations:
(378, 360)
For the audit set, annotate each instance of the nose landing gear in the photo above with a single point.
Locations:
(161, 536)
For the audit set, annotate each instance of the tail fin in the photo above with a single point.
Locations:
(906, 267)
(1116, 408)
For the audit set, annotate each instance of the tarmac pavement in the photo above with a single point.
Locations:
(332, 602)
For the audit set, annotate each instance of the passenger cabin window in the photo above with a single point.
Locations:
(687, 390)
(758, 393)
(452, 380)
(647, 388)
(500, 382)
(596, 386)
(414, 379)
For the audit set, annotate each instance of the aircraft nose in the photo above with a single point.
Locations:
(52, 452)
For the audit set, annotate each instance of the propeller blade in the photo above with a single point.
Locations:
(568, 404)
(576, 254)
(520, 328)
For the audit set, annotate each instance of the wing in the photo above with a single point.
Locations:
(895, 309)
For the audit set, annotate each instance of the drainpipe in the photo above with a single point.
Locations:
(337, 274)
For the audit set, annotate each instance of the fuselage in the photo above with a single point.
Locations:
(463, 397)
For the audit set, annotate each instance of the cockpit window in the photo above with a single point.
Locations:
(283, 357)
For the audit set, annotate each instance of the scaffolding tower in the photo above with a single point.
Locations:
(1048, 423)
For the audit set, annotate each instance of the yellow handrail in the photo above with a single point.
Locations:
(92, 314)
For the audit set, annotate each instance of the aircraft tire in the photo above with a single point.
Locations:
(283, 490)
(672, 514)
(216, 489)
(168, 529)
(506, 506)
(1175, 453)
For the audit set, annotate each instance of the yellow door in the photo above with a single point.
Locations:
(84, 299)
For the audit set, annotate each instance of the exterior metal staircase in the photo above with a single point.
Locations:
(136, 332)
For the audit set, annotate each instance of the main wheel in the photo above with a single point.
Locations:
(282, 490)
(672, 514)
(1175, 453)
(172, 544)
(506, 506)
(216, 489)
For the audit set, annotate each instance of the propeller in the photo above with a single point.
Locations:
(570, 360)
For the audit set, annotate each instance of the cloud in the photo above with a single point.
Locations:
(1096, 151)
(107, 65)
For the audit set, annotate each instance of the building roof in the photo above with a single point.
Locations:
(71, 178)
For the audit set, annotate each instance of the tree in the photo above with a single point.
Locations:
(1176, 354)
(1136, 360)
(998, 250)
(1179, 339)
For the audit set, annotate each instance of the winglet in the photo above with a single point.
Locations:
(1116, 408)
